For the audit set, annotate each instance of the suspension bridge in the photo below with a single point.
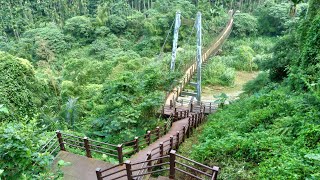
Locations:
(154, 152)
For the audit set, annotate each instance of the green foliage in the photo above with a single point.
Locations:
(3, 109)
(221, 99)
(20, 91)
(310, 53)
(269, 134)
(217, 73)
(80, 27)
(247, 54)
(274, 133)
(285, 52)
(257, 84)
(82, 71)
(117, 24)
(273, 18)
(71, 112)
(244, 58)
(38, 44)
(19, 158)
(45, 42)
(244, 25)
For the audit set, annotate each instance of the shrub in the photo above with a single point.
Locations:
(44, 40)
(84, 72)
(244, 25)
(217, 73)
(19, 156)
(243, 59)
(117, 24)
(272, 18)
(257, 84)
(19, 89)
(285, 52)
(80, 27)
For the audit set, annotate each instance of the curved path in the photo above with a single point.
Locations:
(142, 154)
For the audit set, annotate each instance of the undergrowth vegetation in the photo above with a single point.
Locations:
(273, 130)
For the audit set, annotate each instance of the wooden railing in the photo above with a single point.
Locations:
(172, 163)
(89, 146)
(51, 146)
(64, 142)
(183, 108)
(141, 142)
(156, 157)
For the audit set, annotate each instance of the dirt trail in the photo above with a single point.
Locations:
(242, 77)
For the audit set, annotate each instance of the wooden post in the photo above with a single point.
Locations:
(188, 112)
(165, 129)
(149, 162)
(60, 140)
(161, 152)
(136, 144)
(192, 123)
(162, 112)
(178, 139)
(184, 133)
(210, 108)
(176, 115)
(148, 137)
(175, 110)
(128, 169)
(202, 119)
(172, 164)
(99, 174)
(120, 154)
(195, 120)
(87, 147)
(189, 127)
(191, 107)
(171, 104)
(158, 132)
(215, 172)
(204, 109)
(171, 143)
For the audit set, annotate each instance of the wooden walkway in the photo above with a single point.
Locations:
(142, 154)
(81, 167)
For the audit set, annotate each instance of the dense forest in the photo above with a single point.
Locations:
(101, 68)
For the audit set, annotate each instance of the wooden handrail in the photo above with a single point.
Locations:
(192, 168)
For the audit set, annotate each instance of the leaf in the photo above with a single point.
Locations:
(313, 157)
(4, 109)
